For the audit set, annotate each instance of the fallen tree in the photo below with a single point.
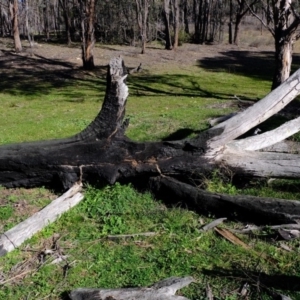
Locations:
(102, 152)
(164, 289)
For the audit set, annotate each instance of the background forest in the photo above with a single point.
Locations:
(137, 22)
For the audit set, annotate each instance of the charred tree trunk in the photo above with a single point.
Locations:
(103, 153)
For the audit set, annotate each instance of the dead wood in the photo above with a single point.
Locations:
(212, 224)
(256, 209)
(164, 289)
(103, 153)
(15, 236)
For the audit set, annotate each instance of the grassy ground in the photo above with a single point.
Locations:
(46, 97)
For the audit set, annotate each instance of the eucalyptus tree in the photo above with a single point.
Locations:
(142, 12)
(283, 21)
(66, 6)
(87, 22)
(171, 16)
(14, 15)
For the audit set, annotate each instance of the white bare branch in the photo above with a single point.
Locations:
(269, 138)
(256, 114)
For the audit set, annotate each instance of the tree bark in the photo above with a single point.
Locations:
(283, 59)
(103, 153)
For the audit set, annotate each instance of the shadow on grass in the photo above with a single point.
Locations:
(180, 134)
(259, 279)
(260, 65)
(65, 296)
(37, 75)
(178, 85)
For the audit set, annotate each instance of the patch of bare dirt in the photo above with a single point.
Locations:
(60, 57)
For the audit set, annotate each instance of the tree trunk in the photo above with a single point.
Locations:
(166, 19)
(28, 30)
(283, 60)
(196, 13)
(185, 17)
(46, 19)
(67, 20)
(230, 40)
(15, 25)
(285, 21)
(176, 23)
(87, 13)
(102, 152)
(142, 10)
(241, 12)
(237, 29)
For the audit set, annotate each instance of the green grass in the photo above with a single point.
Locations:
(160, 103)
(17, 205)
(179, 248)
(172, 103)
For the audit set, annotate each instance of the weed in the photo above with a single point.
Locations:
(6, 212)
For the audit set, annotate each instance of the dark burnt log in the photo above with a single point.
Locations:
(248, 208)
(100, 160)
(101, 152)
